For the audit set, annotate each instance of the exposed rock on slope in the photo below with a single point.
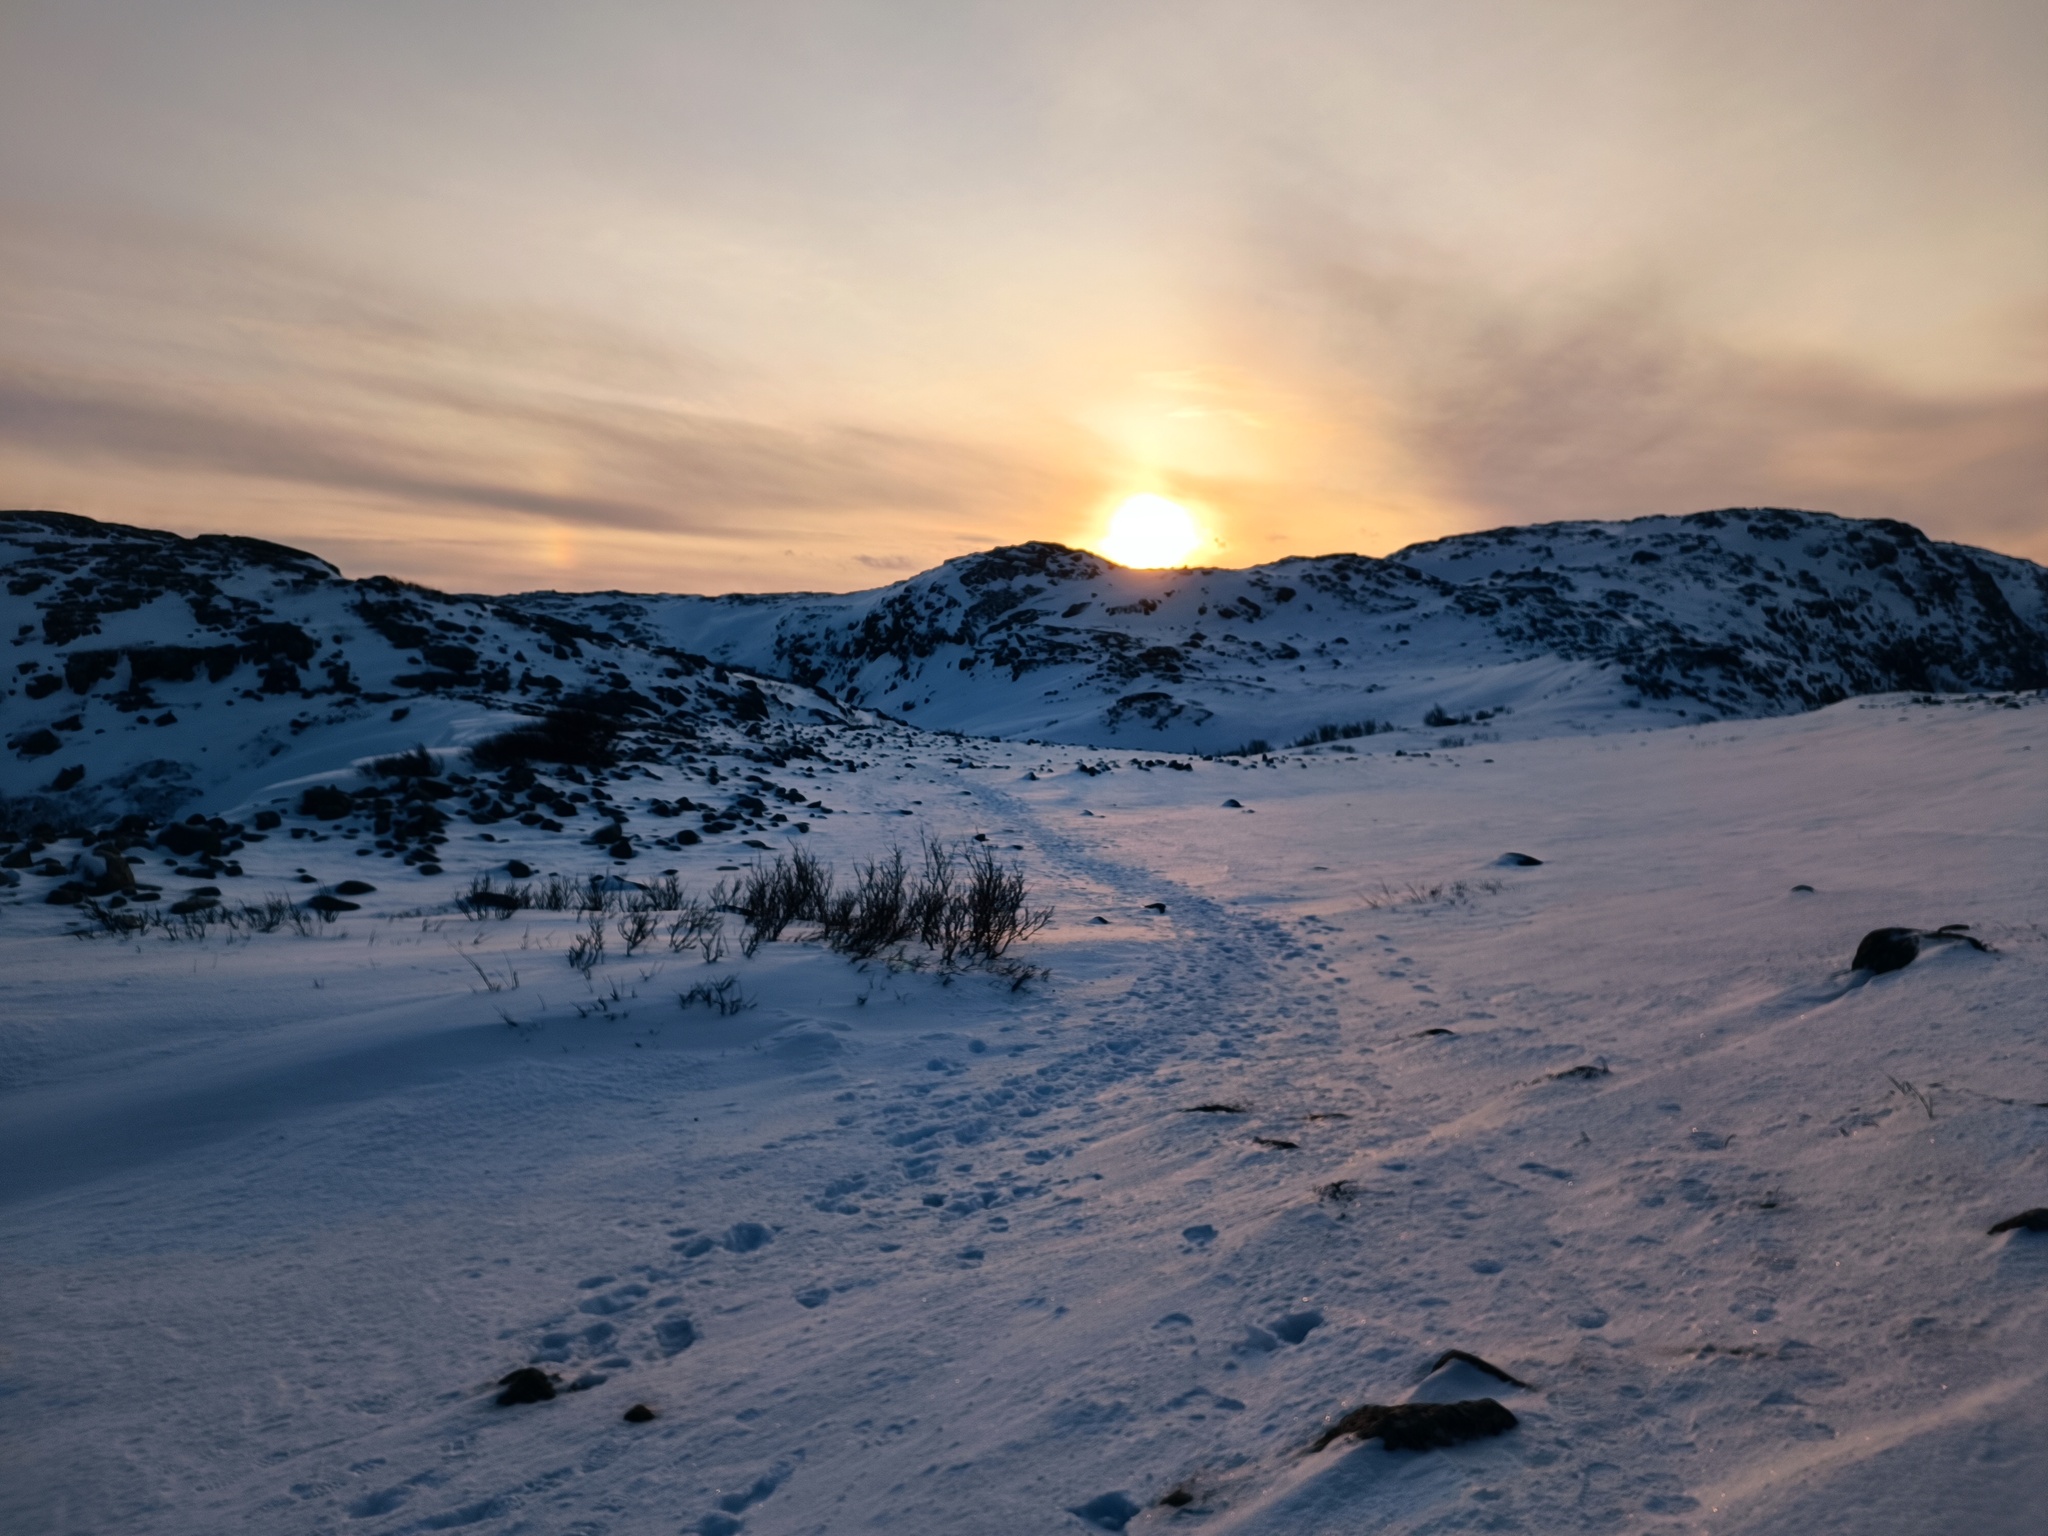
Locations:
(1744, 612)
(130, 647)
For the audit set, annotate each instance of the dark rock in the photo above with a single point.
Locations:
(330, 904)
(518, 869)
(67, 778)
(188, 905)
(268, 821)
(1277, 1144)
(525, 1385)
(185, 840)
(1517, 861)
(639, 1413)
(1214, 1109)
(1582, 1074)
(1802, 890)
(1421, 1426)
(1893, 949)
(2035, 1220)
(430, 869)
(326, 802)
(623, 849)
(1155, 906)
(1233, 805)
(354, 888)
(36, 744)
(69, 894)
(1886, 949)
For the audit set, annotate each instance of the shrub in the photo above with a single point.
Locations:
(1324, 734)
(485, 899)
(587, 948)
(967, 906)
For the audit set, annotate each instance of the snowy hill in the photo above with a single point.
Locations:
(1521, 631)
(152, 673)
(408, 1076)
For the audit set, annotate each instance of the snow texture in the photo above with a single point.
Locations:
(890, 1247)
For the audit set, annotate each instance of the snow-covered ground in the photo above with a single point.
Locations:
(890, 1250)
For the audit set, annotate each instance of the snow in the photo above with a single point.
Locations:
(897, 1250)
(1517, 632)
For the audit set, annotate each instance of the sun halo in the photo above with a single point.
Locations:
(1149, 531)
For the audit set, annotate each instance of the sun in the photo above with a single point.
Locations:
(1149, 531)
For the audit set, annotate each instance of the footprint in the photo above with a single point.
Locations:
(1295, 1326)
(673, 1335)
(815, 1296)
(746, 1237)
(762, 1486)
(382, 1503)
(619, 1300)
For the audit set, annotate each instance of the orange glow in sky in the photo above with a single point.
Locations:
(807, 296)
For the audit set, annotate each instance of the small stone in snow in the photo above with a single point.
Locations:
(2035, 1220)
(525, 1385)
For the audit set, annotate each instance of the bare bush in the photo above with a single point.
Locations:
(587, 948)
(487, 899)
(722, 996)
(697, 925)
(969, 907)
(635, 928)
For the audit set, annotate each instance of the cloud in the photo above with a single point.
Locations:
(247, 368)
(1551, 406)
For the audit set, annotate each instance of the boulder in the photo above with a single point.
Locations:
(1893, 949)
(1421, 1426)
(325, 802)
(525, 1385)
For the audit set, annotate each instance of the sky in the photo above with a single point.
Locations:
(771, 296)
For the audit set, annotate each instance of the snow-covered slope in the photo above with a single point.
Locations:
(1522, 631)
(890, 1250)
(156, 675)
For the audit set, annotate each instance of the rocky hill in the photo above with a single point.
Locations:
(152, 674)
(1525, 630)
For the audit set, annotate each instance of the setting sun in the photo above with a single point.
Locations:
(1149, 531)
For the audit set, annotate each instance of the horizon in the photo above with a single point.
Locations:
(819, 297)
(1163, 570)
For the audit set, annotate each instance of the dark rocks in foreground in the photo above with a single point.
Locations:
(525, 1385)
(2035, 1220)
(1893, 949)
(1421, 1426)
